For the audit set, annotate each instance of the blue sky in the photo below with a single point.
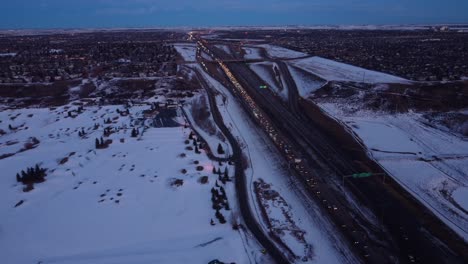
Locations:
(147, 13)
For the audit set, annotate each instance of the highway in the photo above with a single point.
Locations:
(393, 233)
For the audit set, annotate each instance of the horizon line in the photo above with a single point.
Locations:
(331, 26)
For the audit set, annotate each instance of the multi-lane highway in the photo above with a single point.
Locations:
(379, 222)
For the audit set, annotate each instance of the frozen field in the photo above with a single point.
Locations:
(330, 70)
(280, 52)
(120, 204)
(306, 83)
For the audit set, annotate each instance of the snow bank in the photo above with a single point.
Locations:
(11, 54)
(113, 205)
(336, 71)
(252, 53)
(281, 53)
(306, 83)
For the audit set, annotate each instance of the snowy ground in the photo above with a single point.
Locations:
(252, 53)
(266, 164)
(113, 205)
(187, 51)
(306, 83)
(330, 70)
(280, 52)
(430, 163)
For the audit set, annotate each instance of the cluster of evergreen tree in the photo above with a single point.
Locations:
(135, 132)
(219, 200)
(196, 142)
(107, 131)
(197, 149)
(81, 133)
(222, 176)
(100, 143)
(107, 121)
(31, 175)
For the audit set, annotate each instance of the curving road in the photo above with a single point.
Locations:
(240, 179)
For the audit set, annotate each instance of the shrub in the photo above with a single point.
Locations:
(204, 180)
(177, 182)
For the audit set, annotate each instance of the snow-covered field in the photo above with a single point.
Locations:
(281, 53)
(206, 56)
(430, 163)
(114, 205)
(266, 164)
(336, 71)
(187, 51)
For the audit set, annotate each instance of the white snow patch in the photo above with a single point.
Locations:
(280, 52)
(187, 51)
(10, 54)
(306, 84)
(336, 71)
(460, 196)
(252, 53)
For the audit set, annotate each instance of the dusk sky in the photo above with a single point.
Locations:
(148, 13)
